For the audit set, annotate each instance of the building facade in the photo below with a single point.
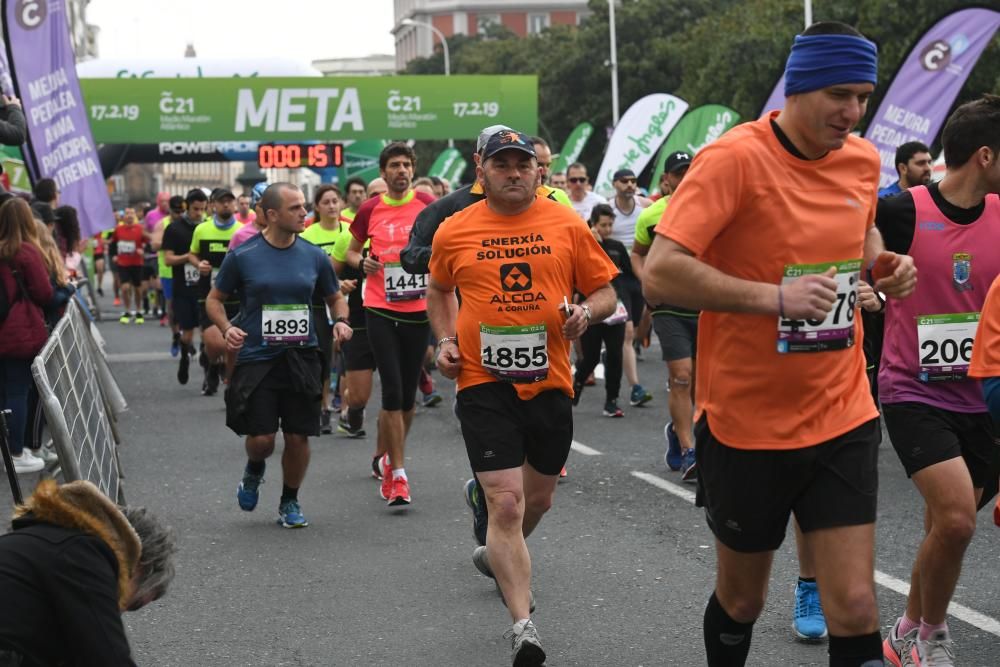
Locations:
(471, 17)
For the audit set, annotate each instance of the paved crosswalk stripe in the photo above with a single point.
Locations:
(584, 449)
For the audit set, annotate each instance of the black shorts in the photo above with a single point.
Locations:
(358, 355)
(678, 336)
(186, 311)
(273, 405)
(98, 256)
(748, 495)
(324, 334)
(150, 269)
(634, 303)
(502, 431)
(923, 435)
(130, 275)
(204, 322)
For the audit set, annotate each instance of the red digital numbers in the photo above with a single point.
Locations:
(292, 156)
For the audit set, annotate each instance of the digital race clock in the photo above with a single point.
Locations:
(291, 156)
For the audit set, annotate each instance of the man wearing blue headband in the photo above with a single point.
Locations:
(786, 423)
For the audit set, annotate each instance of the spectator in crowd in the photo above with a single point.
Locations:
(13, 128)
(24, 289)
(72, 564)
(46, 192)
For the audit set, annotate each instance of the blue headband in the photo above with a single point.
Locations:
(819, 61)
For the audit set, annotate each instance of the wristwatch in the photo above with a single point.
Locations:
(342, 320)
(586, 312)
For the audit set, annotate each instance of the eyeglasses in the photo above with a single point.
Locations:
(577, 179)
(627, 181)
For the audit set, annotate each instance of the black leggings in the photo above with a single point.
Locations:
(399, 349)
(613, 337)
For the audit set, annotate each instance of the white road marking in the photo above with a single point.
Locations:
(584, 449)
(126, 357)
(959, 611)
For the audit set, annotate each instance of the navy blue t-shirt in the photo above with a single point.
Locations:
(275, 287)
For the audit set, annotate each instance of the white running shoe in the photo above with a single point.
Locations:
(27, 463)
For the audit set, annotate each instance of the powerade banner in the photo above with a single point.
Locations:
(308, 108)
(916, 105)
(572, 148)
(697, 129)
(639, 133)
(59, 144)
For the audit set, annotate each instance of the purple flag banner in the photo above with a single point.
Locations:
(917, 102)
(776, 102)
(59, 146)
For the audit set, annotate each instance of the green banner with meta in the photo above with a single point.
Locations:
(143, 111)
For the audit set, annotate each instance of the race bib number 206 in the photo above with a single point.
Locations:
(836, 330)
(945, 345)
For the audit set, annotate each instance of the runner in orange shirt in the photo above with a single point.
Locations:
(516, 258)
(769, 238)
(986, 362)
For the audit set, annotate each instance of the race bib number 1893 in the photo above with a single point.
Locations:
(836, 330)
(515, 353)
(945, 346)
(287, 323)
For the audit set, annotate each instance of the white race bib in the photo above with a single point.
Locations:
(403, 286)
(620, 316)
(287, 323)
(126, 247)
(515, 353)
(836, 331)
(191, 275)
(944, 345)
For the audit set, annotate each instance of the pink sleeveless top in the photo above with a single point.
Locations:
(928, 336)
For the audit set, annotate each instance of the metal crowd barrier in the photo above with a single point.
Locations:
(81, 401)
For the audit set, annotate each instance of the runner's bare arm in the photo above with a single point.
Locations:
(217, 313)
(157, 239)
(172, 259)
(674, 275)
(601, 302)
(442, 309)
(893, 274)
(338, 306)
(638, 259)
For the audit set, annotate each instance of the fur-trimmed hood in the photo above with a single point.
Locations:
(81, 506)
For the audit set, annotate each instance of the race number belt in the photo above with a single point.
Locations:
(515, 353)
(619, 316)
(944, 344)
(836, 330)
(403, 286)
(287, 323)
(191, 275)
(126, 247)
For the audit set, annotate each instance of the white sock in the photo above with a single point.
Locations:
(519, 626)
(399, 473)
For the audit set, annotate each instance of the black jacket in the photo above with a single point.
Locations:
(13, 126)
(59, 592)
(416, 256)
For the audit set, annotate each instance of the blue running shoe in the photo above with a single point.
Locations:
(809, 623)
(639, 396)
(247, 492)
(477, 503)
(290, 515)
(175, 347)
(689, 467)
(672, 457)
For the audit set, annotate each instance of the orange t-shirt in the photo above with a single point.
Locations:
(986, 348)
(752, 210)
(513, 273)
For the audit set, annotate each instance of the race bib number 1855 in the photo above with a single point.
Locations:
(515, 353)
(836, 330)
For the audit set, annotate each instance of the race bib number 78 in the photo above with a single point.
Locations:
(836, 330)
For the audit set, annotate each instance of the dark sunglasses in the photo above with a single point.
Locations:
(577, 179)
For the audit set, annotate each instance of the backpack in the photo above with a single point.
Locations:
(19, 290)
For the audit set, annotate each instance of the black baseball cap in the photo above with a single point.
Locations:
(218, 194)
(676, 160)
(504, 139)
(623, 173)
(176, 204)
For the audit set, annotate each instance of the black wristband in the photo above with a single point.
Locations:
(342, 320)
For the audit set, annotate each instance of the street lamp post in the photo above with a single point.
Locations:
(613, 64)
(808, 12)
(444, 46)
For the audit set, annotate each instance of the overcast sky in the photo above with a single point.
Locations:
(304, 30)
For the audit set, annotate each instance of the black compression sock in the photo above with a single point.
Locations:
(355, 418)
(727, 642)
(256, 467)
(288, 493)
(857, 651)
(177, 337)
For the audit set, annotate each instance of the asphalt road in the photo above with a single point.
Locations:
(622, 566)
